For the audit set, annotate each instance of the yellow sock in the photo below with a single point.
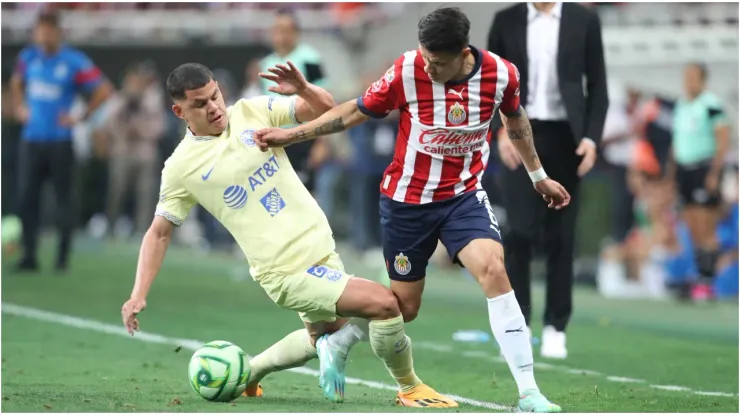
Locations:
(292, 351)
(390, 343)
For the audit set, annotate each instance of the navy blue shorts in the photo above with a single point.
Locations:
(410, 232)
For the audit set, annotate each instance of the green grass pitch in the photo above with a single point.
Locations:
(64, 348)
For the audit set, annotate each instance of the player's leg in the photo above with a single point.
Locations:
(295, 350)
(473, 238)
(32, 171)
(373, 301)
(62, 177)
(700, 213)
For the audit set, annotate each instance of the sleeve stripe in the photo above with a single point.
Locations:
(364, 110)
(291, 110)
(88, 75)
(169, 217)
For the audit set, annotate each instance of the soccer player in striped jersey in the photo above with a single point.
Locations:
(447, 92)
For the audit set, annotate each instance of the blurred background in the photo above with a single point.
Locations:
(630, 238)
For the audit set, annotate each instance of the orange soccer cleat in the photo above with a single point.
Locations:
(253, 391)
(424, 396)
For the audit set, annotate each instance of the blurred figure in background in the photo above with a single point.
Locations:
(617, 150)
(48, 76)
(135, 125)
(373, 144)
(308, 157)
(564, 91)
(252, 81)
(701, 138)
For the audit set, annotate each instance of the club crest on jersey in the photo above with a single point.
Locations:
(247, 137)
(457, 114)
(402, 265)
(390, 74)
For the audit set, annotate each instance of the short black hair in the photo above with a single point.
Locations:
(444, 30)
(702, 67)
(50, 18)
(186, 77)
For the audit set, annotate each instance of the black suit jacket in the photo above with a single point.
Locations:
(580, 53)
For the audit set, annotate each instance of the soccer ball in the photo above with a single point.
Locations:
(219, 371)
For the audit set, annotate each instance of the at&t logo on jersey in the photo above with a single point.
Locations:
(273, 202)
(247, 137)
(402, 265)
(235, 197)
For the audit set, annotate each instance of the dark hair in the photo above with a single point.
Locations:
(50, 18)
(187, 77)
(701, 67)
(444, 30)
(289, 13)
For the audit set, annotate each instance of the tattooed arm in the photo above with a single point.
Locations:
(337, 119)
(520, 132)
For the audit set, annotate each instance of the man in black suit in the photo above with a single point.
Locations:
(554, 45)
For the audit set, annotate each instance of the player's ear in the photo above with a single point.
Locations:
(178, 111)
(466, 52)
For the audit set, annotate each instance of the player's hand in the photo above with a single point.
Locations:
(129, 311)
(587, 149)
(508, 153)
(22, 114)
(272, 137)
(289, 79)
(553, 193)
(67, 120)
(711, 182)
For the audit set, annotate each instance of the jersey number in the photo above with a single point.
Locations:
(483, 199)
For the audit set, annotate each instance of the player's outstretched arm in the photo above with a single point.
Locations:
(151, 255)
(520, 132)
(337, 119)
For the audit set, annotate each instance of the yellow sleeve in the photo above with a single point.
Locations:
(174, 200)
(278, 111)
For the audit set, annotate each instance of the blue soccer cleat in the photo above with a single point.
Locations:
(331, 370)
(532, 401)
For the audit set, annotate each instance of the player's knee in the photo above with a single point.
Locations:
(385, 305)
(409, 312)
(494, 279)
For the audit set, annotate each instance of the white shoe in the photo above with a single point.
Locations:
(529, 332)
(553, 344)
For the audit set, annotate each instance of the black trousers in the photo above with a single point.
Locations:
(38, 162)
(530, 223)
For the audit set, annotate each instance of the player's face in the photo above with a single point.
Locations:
(693, 81)
(204, 110)
(284, 34)
(47, 36)
(443, 67)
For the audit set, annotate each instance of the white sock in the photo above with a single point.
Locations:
(505, 315)
(354, 331)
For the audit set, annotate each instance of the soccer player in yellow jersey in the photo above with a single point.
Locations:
(286, 237)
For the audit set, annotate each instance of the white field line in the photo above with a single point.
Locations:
(191, 344)
(493, 356)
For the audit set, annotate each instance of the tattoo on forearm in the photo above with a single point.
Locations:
(333, 126)
(523, 131)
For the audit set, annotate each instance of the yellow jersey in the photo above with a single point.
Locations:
(256, 195)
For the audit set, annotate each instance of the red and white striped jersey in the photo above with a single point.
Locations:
(443, 138)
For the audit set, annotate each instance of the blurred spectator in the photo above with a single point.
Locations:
(701, 138)
(135, 124)
(565, 94)
(310, 156)
(617, 150)
(373, 144)
(252, 81)
(47, 78)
